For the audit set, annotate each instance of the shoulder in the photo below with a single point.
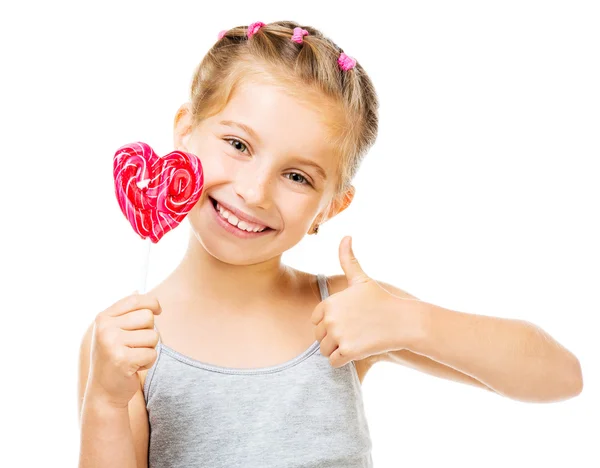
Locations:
(337, 283)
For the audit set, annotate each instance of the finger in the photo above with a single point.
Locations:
(141, 357)
(136, 320)
(146, 367)
(352, 269)
(328, 345)
(318, 313)
(134, 302)
(320, 331)
(140, 338)
(337, 359)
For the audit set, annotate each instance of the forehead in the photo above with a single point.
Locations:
(282, 122)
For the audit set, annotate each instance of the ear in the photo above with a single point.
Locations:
(339, 203)
(182, 127)
(344, 200)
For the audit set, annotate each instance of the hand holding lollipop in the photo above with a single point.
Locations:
(155, 194)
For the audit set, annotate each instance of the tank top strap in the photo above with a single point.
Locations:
(322, 280)
(152, 370)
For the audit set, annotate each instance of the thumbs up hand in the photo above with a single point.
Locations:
(360, 321)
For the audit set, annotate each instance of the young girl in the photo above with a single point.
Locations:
(258, 364)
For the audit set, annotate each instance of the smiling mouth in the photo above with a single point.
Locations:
(215, 203)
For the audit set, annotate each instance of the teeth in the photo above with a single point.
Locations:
(234, 221)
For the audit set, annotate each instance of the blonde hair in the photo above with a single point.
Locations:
(269, 55)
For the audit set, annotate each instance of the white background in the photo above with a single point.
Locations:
(480, 195)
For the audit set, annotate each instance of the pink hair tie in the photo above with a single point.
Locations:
(345, 62)
(222, 33)
(254, 27)
(298, 34)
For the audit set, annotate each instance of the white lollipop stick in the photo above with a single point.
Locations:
(145, 264)
(144, 271)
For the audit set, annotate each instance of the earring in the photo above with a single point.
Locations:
(316, 229)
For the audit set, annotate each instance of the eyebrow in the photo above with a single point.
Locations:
(313, 164)
(244, 127)
(254, 135)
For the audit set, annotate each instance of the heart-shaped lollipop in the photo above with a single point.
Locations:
(156, 193)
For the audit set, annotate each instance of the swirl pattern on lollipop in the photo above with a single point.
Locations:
(156, 193)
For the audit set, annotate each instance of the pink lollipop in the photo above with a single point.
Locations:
(156, 193)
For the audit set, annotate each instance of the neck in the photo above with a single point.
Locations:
(201, 275)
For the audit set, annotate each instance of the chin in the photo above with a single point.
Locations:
(220, 244)
(232, 254)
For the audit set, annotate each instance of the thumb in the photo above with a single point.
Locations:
(352, 269)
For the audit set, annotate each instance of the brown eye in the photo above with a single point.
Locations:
(302, 178)
(236, 144)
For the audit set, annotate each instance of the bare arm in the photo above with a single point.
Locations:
(106, 437)
(525, 363)
(111, 436)
(514, 358)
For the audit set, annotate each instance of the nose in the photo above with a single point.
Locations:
(253, 185)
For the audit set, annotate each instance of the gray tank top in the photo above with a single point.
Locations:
(301, 413)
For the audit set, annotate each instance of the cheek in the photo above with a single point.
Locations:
(300, 214)
(198, 207)
(217, 165)
(197, 217)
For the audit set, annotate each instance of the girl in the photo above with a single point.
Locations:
(258, 364)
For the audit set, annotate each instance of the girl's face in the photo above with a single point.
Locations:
(265, 154)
